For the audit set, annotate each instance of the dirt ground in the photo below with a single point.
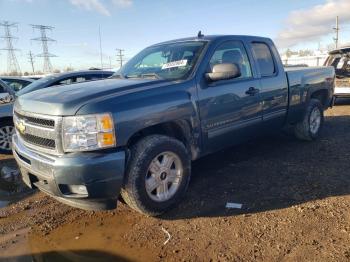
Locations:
(296, 207)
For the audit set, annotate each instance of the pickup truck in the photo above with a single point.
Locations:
(135, 135)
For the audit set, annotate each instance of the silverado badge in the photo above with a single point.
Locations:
(21, 127)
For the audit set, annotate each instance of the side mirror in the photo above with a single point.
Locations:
(223, 72)
(6, 98)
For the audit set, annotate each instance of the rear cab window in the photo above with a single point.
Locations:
(264, 59)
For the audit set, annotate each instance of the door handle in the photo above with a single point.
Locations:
(252, 91)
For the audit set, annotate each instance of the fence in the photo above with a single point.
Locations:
(306, 60)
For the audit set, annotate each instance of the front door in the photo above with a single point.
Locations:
(230, 110)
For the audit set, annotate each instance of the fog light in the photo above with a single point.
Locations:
(78, 189)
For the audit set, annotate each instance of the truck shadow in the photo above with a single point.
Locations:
(270, 173)
(76, 255)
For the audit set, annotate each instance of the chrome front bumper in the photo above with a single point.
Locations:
(101, 174)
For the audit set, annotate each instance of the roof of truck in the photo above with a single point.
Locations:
(214, 37)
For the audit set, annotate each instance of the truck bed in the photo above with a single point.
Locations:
(302, 80)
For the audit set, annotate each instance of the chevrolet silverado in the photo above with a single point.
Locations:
(135, 135)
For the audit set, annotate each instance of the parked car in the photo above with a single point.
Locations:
(6, 97)
(16, 83)
(172, 103)
(340, 60)
(65, 79)
(55, 81)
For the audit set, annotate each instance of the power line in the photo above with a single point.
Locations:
(31, 60)
(44, 44)
(12, 63)
(336, 29)
(120, 56)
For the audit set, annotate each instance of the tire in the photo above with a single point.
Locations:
(148, 154)
(6, 132)
(308, 129)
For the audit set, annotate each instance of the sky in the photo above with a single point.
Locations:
(135, 24)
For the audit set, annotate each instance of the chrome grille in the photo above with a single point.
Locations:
(39, 132)
(39, 141)
(37, 121)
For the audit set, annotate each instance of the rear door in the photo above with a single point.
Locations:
(273, 82)
(229, 111)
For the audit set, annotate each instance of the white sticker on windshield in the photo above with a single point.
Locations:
(175, 64)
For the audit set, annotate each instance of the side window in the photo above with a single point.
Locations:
(16, 85)
(232, 52)
(264, 59)
(96, 77)
(66, 81)
(81, 79)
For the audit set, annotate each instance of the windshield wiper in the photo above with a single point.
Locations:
(153, 75)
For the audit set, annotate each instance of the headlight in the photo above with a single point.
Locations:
(88, 132)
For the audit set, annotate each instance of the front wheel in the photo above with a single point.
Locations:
(309, 128)
(6, 132)
(158, 173)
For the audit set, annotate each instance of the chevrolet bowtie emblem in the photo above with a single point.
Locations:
(21, 126)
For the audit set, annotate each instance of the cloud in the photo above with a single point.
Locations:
(122, 3)
(313, 23)
(91, 5)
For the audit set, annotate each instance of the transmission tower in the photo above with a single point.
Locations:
(120, 56)
(12, 63)
(44, 44)
(31, 60)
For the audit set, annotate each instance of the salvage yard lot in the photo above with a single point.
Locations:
(296, 206)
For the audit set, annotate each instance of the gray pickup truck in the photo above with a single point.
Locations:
(135, 135)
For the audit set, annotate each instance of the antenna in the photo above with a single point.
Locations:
(44, 44)
(12, 63)
(200, 34)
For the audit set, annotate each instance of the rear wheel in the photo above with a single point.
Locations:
(309, 128)
(6, 131)
(157, 175)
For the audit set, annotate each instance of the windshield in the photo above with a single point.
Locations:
(171, 61)
(35, 85)
(341, 63)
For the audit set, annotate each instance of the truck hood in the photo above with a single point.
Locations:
(66, 100)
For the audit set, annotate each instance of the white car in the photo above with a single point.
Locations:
(340, 60)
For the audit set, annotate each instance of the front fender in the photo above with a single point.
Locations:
(140, 110)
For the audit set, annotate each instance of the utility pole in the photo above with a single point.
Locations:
(99, 34)
(120, 56)
(44, 44)
(31, 60)
(12, 63)
(336, 29)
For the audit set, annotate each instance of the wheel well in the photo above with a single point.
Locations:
(321, 95)
(7, 118)
(179, 130)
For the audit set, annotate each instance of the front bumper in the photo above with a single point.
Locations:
(342, 92)
(99, 175)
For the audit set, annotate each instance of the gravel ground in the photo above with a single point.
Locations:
(296, 207)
